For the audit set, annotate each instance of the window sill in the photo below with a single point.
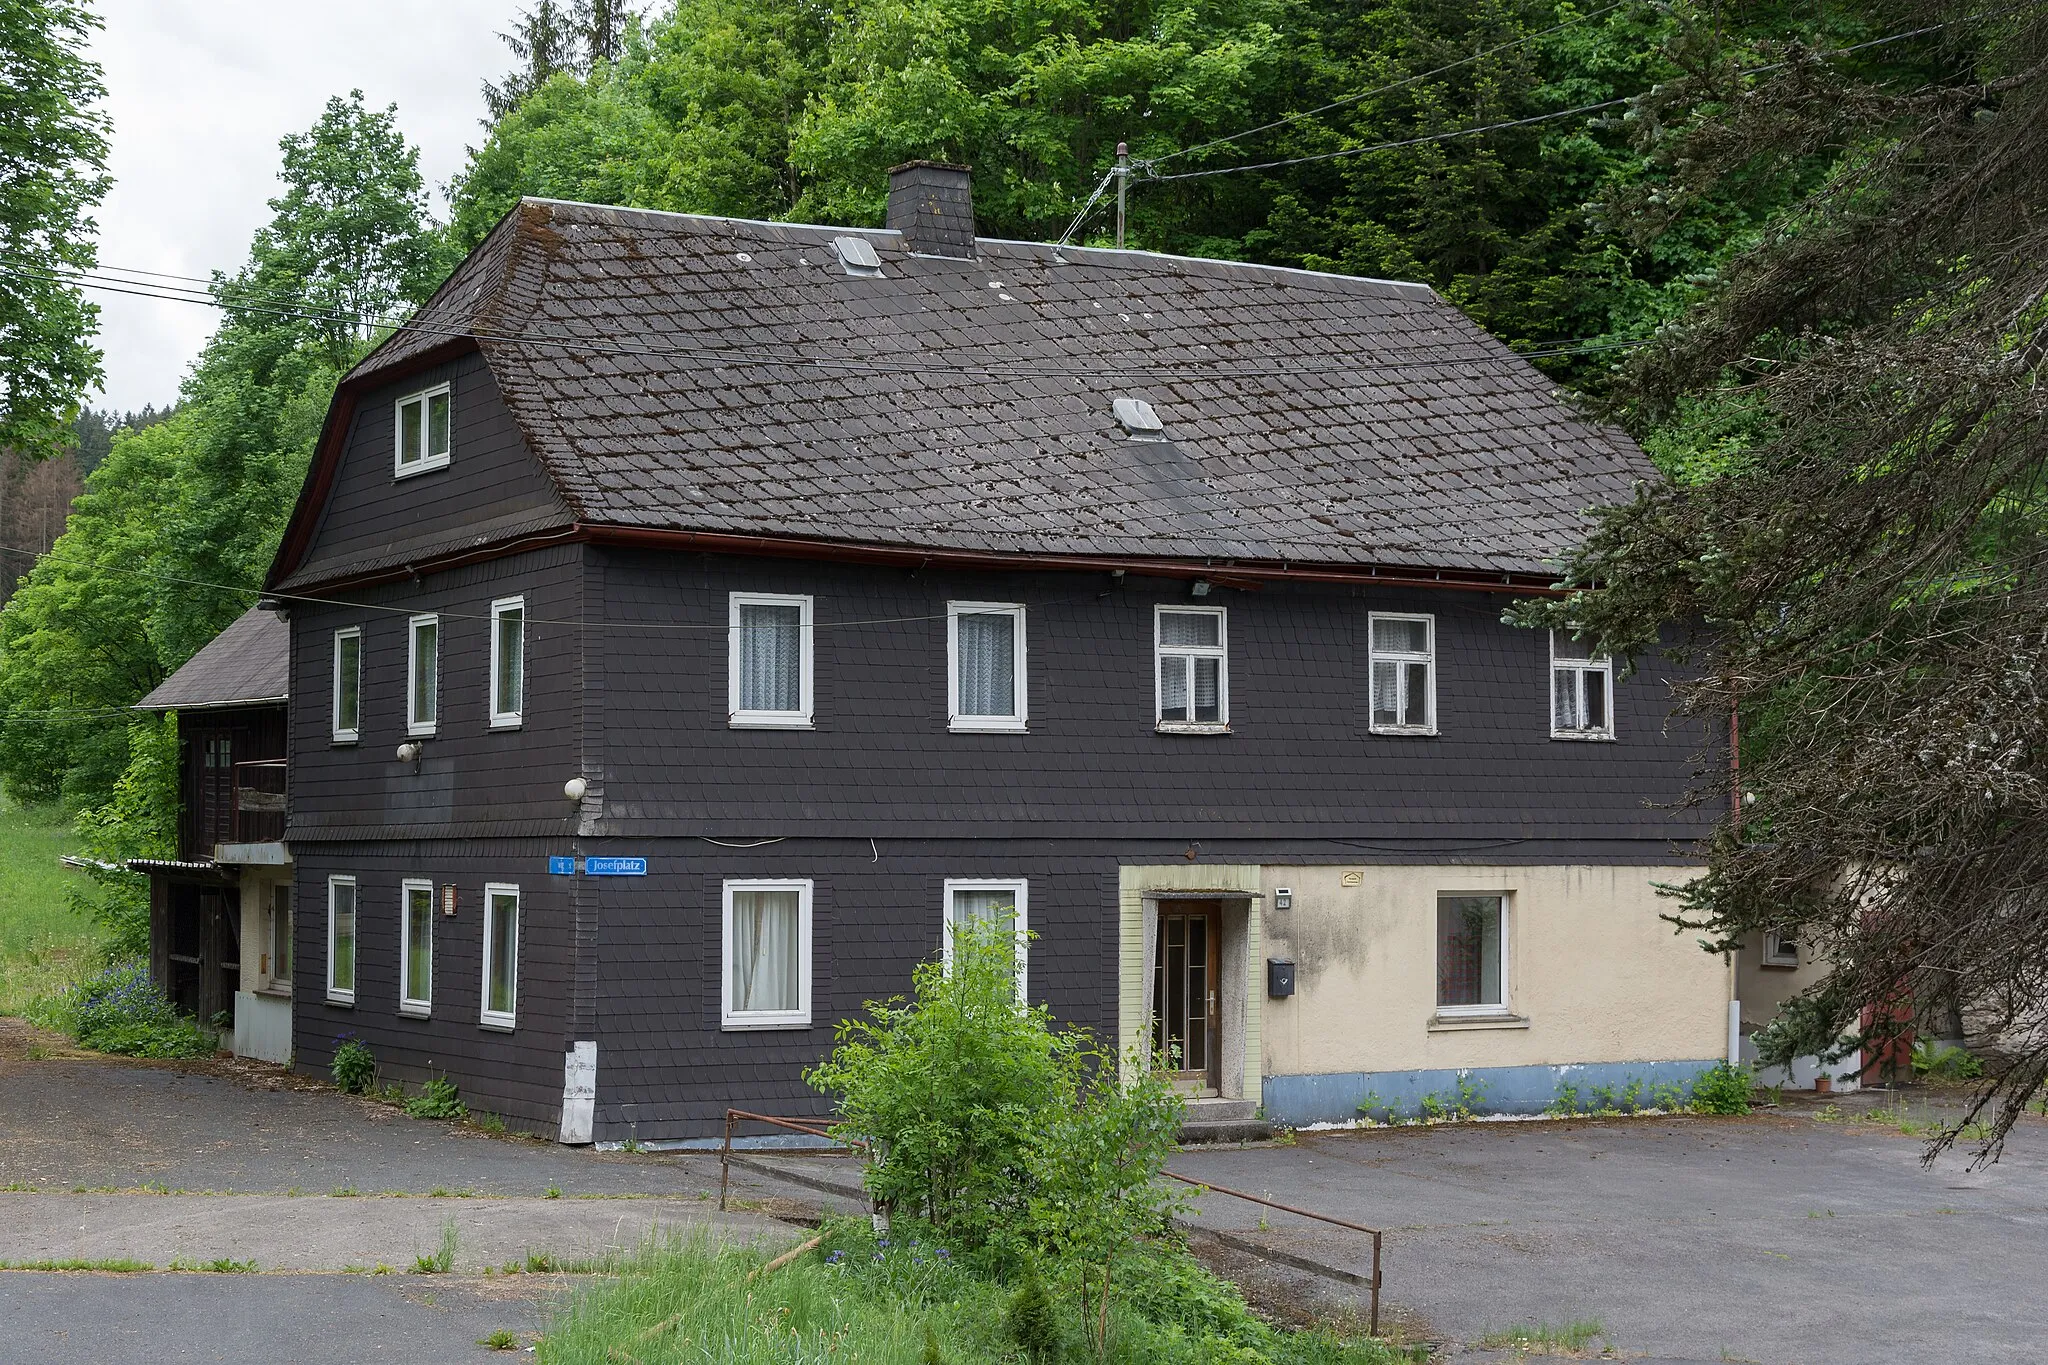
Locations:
(1409, 731)
(1191, 727)
(411, 1011)
(425, 465)
(1582, 736)
(347, 741)
(497, 1025)
(420, 731)
(347, 1002)
(963, 726)
(770, 723)
(509, 723)
(1778, 966)
(759, 1025)
(1469, 1023)
(274, 991)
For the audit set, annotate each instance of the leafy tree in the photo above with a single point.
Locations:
(53, 151)
(141, 821)
(1859, 538)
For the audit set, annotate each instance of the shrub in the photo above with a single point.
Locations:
(438, 1099)
(354, 1067)
(1723, 1089)
(122, 1011)
(1943, 1061)
(1031, 1321)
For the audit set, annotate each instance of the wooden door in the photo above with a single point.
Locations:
(1186, 986)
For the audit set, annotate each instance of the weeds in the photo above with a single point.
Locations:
(500, 1340)
(1723, 1089)
(221, 1266)
(487, 1123)
(1570, 1339)
(121, 1011)
(439, 1099)
(553, 1192)
(118, 1266)
(355, 1067)
(1939, 1061)
(441, 1261)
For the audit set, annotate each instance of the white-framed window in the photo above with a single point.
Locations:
(1193, 687)
(508, 662)
(766, 976)
(423, 675)
(341, 940)
(422, 437)
(1581, 690)
(415, 947)
(1781, 948)
(985, 665)
(501, 955)
(279, 969)
(1471, 954)
(1002, 900)
(769, 661)
(1403, 665)
(348, 684)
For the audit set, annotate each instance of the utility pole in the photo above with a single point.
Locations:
(1123, 185)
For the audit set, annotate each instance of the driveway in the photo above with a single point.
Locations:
(1779, 1239)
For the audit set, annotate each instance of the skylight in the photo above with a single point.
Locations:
(1139, 420)
(857, 254)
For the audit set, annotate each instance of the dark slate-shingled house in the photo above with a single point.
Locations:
(708, 613)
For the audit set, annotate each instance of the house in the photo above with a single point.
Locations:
(220, 913)
(692, 618)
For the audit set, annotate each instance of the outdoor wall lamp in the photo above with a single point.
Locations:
(409, 752)
(574, 788)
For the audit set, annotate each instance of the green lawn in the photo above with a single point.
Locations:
(45, 945)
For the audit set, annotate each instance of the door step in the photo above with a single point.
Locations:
(1221, 1120)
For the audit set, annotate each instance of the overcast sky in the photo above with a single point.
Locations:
(200, 92)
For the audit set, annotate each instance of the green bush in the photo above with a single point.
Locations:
(354, 1067)
(122, 1011)
(1723, 1089)
(1945, 1062)
(1032, 1322)
(438, 1099)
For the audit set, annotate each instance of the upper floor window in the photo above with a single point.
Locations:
(985, 665)
(422, 438)
(1194, 684)
(769, 661)
(348, 684)
(416, 948)
(501, 956)
(1581, 690)
(508, 662)
(423, 674)
(1403, 674)
(1000, 903)
(767, 976)
(341, 940)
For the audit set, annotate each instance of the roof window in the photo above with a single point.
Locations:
(1138, 419)
(857, 254)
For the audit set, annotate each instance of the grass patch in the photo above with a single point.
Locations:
(442, 1260)
(905, 1301)
(120, 1010)
(45, 944)
(1574, 1338)
(118, 1266)
(500, 1340)
(219, 1266)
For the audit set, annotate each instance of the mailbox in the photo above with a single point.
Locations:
(1279, 978)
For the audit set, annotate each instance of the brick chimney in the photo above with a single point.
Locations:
(932, 204)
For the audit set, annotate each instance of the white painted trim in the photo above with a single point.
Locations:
(408, 1004)
(487, 1016)
(426, 461)
(800, 1017)
(344, 995)
(1016, 723)
(799, 719)
(346, 734)
(1020, 888)
(1775, 953)
(1373, 655)
(1505, 1009)
(1604, 666)
(414, 726)
(506, 720)
(1219, 652)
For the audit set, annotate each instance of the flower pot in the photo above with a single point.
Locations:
(1823, 1085)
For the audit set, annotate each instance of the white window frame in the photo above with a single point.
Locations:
(344, 995)
(1604, 666)
(1020, 888)
(1011, 724)
(506, 720)
(422, 1008)
(348, 734)
(426, 461)
(1219, 652)
(414, 726)
(1776, 954)
(799, 719)
(280, 983)
(1373, 656)
(488, 1017)
(1505, 1009)
(800, 1017)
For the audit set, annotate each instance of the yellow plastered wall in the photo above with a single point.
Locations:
(1593, 973)
(1191, 880)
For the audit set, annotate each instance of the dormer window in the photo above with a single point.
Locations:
(1138, 420)
(857, 254)
(422, 438)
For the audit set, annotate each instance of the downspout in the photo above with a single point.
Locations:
(1735, 823)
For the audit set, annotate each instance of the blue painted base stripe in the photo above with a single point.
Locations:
(1335, 1097)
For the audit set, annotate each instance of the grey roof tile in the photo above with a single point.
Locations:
(246, 664)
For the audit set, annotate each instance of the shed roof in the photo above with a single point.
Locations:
(248, 664)
(712, 375)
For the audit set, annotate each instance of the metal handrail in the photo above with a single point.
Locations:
(1374, 1233)
(808, 1127)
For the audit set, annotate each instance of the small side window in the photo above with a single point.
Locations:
(1581, 690)
(508, 662)
(280, 966)
(341, 940)
(422, 439)
(501, 956)
(1781, 948)
(416, 948)
(348, 684)
(1403, 674)
(423, 675)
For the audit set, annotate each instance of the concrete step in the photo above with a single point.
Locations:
(1223, 1120)
(1211, 1109)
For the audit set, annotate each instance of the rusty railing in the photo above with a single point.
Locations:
(1299, 1262)
(809, 1127)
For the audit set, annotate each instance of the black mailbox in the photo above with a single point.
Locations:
(1279, 978)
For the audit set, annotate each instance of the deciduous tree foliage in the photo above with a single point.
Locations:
(1856, 531)
(53, 151)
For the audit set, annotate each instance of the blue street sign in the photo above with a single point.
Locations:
(615, 867)
(561, 867)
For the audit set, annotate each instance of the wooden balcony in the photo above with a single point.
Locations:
(259, 801)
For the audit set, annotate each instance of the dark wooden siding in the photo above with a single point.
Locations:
(211, 743)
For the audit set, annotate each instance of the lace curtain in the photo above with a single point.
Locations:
(770, 646)
(987, 655)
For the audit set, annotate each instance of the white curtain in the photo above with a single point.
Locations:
(771, 657)
(1386, 692)
(511, 661)
(764, 950)
(426, 664)
(987, 652)
(501, 987)
(1173, 687)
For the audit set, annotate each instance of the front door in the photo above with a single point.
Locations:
(1186, 977)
